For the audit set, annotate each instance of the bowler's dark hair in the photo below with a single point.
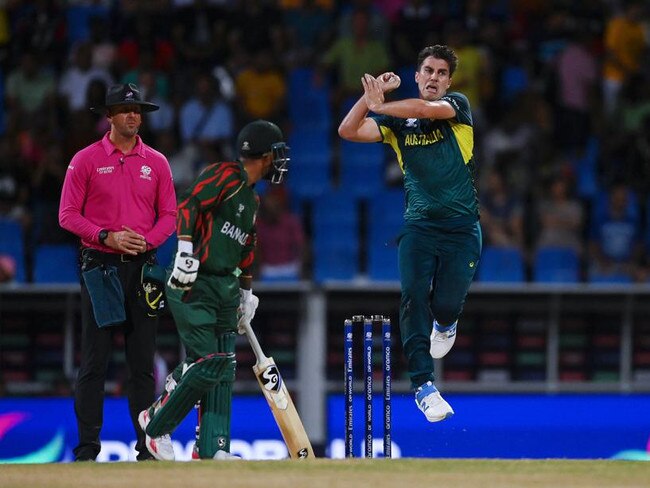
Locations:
(440, 52)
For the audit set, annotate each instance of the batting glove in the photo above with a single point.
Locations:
(186, 268)
(247, 306)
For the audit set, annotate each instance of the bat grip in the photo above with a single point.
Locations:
(257, 349)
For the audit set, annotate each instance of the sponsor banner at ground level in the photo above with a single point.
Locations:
(510, 426)
(38, 430)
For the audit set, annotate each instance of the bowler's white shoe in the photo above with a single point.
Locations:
(225, 456)
(442, 340)
(432, 405)
(160, 447)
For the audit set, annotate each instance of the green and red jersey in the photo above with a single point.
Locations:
(218, 213)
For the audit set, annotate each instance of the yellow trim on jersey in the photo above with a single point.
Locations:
(243, 183)
(389, 138)
(465, 137)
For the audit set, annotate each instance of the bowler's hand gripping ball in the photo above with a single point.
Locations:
(390, 81)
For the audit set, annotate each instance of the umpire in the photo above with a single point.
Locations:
(118, 198)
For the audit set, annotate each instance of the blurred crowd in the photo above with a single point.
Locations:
(560, 92)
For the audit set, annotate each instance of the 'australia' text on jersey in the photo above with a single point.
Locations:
(423, 139)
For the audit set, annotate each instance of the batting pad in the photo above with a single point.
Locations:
(214, 431)
(200, 377)
(216, 405)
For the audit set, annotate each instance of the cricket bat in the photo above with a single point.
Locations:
(278, 398)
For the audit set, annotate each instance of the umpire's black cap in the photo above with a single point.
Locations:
(256, 138)
(124, 94)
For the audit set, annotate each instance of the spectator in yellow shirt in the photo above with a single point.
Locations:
(261, 89)
(625, 48)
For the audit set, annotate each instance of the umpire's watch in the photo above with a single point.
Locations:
(103, 235)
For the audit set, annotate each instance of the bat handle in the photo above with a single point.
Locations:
(257, 349)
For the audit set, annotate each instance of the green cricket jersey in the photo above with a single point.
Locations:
(436, 157)
(218, 212)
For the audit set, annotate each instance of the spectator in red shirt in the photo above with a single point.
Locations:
(281, 241)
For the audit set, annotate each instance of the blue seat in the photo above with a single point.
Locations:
(514, 80)
(304, 141)
(362, 168)
(556, 265)
(12, 243)
(335, 210)
(382, 259)
(390, 204)
(608, 279)
(78, 21)
(336, 263)
(335, 229)
(310, 168)
(56, 263)
(167, 250)
(309, 104)
(299, 80)
(385, 221)
(310, 179)
(335, 244)
(312, 112)
(301, 83)
(502, 265)
(586, 169)
(358, 152)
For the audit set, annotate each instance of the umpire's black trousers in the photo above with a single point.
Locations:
(140, 343)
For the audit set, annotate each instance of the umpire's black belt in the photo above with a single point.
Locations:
(115, 258)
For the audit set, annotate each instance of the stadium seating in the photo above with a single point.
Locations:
(501, 265)
(586, 169)
(310, 168)
(78, 20)
(335, 225)
(362, 168)
(385, 220)
(609, 279)
(56, 263)
(556, 265)
(309, 102)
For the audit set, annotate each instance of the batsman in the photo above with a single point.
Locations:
(209, 291)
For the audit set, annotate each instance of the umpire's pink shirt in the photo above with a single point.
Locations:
(106, 189)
